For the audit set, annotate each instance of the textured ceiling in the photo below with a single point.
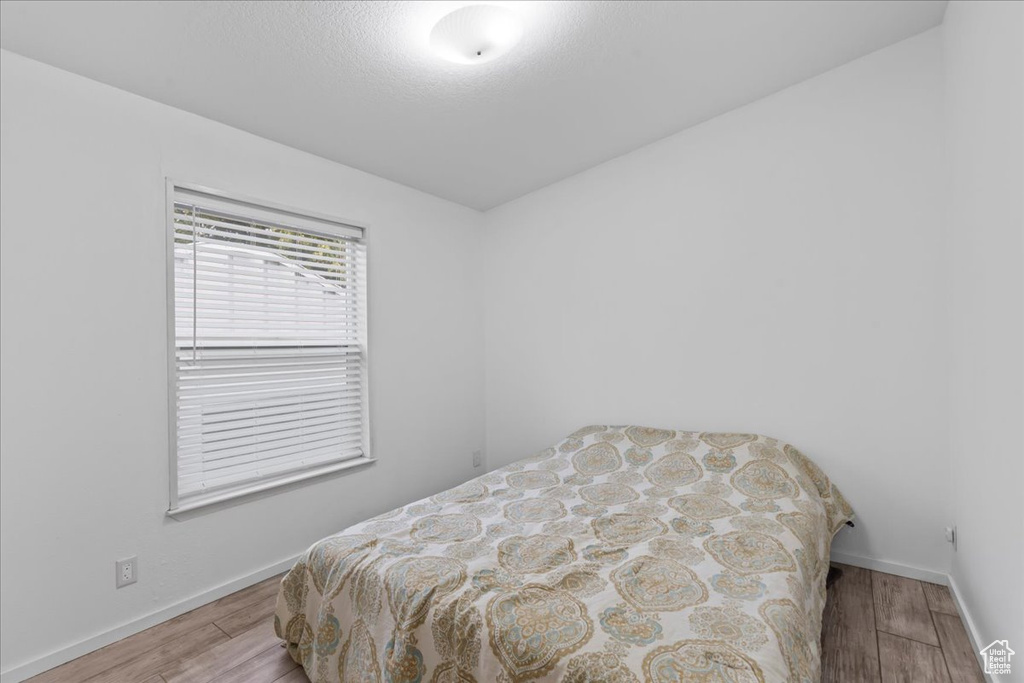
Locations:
(355, 82)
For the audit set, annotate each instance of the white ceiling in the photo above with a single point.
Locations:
(355, 82)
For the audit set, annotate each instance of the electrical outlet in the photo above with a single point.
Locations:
(951, 536)
(478, 458)
(126, 572)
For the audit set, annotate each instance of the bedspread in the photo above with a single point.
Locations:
(621, 554)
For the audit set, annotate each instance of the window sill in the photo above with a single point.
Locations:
(252, 491)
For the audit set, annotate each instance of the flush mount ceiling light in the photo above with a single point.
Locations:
(476, 34)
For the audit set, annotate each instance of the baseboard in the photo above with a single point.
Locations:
(896, 568)
(22, 671)
(931, 577)
(27, 670)
(972, 629)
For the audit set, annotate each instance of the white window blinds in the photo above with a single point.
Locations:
(269, 347)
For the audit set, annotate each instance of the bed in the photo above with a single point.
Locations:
(621, 554)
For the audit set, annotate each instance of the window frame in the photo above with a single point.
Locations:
(261, 486)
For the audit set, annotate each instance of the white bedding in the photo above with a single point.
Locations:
(620, 554)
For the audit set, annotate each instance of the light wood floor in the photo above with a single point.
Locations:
(877, 627)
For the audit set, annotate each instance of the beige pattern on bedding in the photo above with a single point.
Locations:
(621, 554)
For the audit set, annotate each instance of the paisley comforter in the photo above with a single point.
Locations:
(621, 554)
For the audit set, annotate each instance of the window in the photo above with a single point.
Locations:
(269, 353)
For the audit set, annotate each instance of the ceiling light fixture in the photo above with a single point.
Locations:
(476, 34)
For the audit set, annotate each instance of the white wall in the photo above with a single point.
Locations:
(984, 67)
(778, 269)
(84, 393)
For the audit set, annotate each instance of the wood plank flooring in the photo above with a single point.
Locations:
(902, 610)
(883, 628)
(849, 645)
(877, 628)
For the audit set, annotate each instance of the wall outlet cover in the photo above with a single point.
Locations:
(478, 458)
(126, 571)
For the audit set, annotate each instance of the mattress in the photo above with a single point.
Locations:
(621, 554)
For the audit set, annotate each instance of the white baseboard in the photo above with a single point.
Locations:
(905, 570)
(972, 629)
(931, 577)
(22, 671)
(27, 670)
